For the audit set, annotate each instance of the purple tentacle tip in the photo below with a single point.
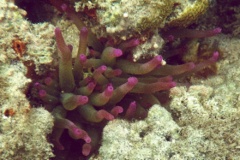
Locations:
(82, 100)
(117, 52)
(132, 81)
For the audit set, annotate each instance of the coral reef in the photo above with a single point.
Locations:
(117, 73)
(101, 84)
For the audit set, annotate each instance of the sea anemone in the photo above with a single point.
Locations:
(100, 85)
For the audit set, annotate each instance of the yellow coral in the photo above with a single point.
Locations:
(155, 15)
(125, 19)
(189, 13)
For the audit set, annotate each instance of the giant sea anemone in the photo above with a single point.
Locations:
(100, 85)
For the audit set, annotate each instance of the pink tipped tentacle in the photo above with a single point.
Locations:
(137, 68)
(48, 90)
(89, 113)
(85, 81)
(61, 122)
(45, 97)
(60, 5)
(86, 149)
(154, 79)
(82, 49)
(207, 62)
(115, 111)
(122, 90)
(165, 79)
(77, 133)
(65, 53)
(173, 69)
(152, 87)
(86, 90)
(98, 75)
(93, 63)
(71, 101)
(110, 73)
(82, 58)
(100, 99)
(94, 53)
(131, 110)
(103, 114)
(129, 44)
(191, 33)
(74, 131)
(109, 55)
(202, 64)
(48, 81)
(66, 78)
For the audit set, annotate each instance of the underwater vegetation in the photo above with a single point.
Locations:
(103, 82)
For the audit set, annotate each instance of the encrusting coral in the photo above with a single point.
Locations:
(22, 41)
(23, 130)
(151, 138)
(120, 20)
(100, 85)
